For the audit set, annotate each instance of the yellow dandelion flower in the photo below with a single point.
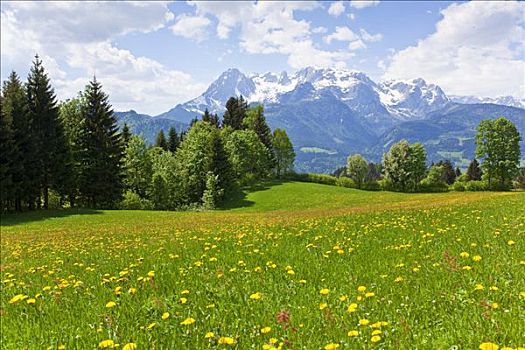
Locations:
(479, 287)
(273, 340)
(209, 335)
(188, 321)
(183, 300)
(352, 307)
(226, 340)
(375, 338)
(353, 333)
(493, 288)
(363, 322)
(488, 346)
(31, 301)
(361, 288)
(130, 346)
(255, 296)
(464, 254)
(494, 306)
(369, 294)
(151, 274)
(185, 291)
(331, 346)
(522, 294)
(466, 267)
(152, 325)
(106, 344)
(343, 298)
(290, 272)
(266, 330)
(110, 304)
(476, 258)
(322, 306)
(398, 279)
(61, 347)
(132, 290)
(165, 315)
(17, 298)
(324, 291)
(511, 242)
(376, 332)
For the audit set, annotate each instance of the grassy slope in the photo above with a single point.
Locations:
(295, 226)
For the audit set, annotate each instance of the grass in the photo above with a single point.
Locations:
(281, 267)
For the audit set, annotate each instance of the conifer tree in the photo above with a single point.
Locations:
(101, 178)
(206, 117)
(214, 120)
(236, 109)
(256, 121)
(474, 172)
(161, 140)
(125, 134)
(47, 129)
(7, 152)
(173, 140)
(23, 172)
(458, 172)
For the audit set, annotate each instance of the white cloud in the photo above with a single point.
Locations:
(361, 4)
(351, 16)
(336, 8)
(191, 27)
(478, 48)
(268, 27)
(341, 34)
(355, 41)
(319, 30)
(74, 46)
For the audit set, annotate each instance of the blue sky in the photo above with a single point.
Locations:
(152, 55)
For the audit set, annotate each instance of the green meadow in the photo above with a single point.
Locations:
(285, 265)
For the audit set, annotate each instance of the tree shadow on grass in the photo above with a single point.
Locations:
(14, 219)
(237, 199)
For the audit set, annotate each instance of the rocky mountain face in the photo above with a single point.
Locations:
(330, 113)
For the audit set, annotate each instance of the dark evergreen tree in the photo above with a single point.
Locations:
(458, 172)
(206, 117)
(214, 120)
(374, 172)
(161, 141)
(47, 131)
(24, 174)
(448, 171)
(173, 140)
(474, 171)
(101, 178)
(7, 152)
(236, 109)
(125, 134)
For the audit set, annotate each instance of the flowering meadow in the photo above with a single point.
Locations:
(351, 270)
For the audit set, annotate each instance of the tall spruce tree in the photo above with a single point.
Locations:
(474, 172)
(161, 140)
(47, 131)
(102, 150)
(206, 117)
(23, 173)
(7, 151)
(449, 173)
(236, 109)
(173, 140)
(125, 134)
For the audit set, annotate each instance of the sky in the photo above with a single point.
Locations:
(150, 56)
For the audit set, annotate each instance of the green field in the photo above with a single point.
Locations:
(286, 265)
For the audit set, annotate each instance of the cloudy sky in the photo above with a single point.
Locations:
(152, 55)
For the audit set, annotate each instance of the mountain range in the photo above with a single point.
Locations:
(331, 113)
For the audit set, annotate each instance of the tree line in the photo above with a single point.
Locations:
(74, 154)
(404, 166)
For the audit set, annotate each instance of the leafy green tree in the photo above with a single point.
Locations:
(220, 165)
(283, 152)
(159, 193)
(102, 150)
(213, 192)
(497, 144)
(474, 172)
(137, 166)
(256, 121)
(70, 113)
(161, 141)
(173, 140)
(165, 166)
(248, 156)
(357, 168)
(48, 131)
(404, 165)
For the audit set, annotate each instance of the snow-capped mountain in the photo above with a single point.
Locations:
(380, 104)
(330, 113)
(501, 100)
